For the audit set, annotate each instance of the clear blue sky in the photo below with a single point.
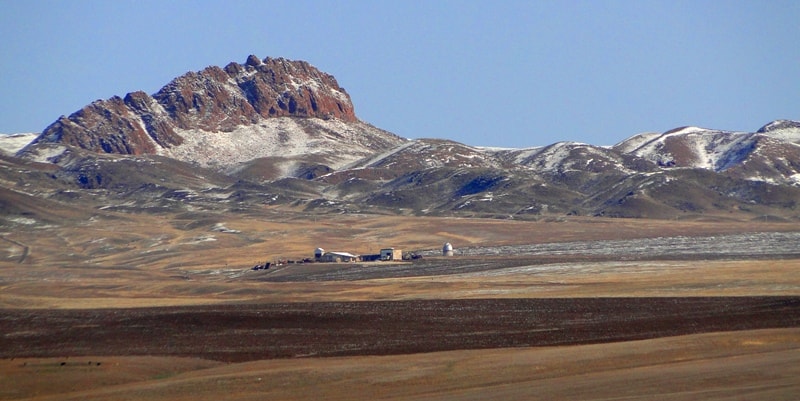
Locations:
(496, 73)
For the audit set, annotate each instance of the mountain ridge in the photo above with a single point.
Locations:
(281, 132)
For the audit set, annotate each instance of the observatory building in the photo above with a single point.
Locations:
(447, 249)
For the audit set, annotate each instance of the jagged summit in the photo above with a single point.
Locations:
(217, 99)
(188, 117)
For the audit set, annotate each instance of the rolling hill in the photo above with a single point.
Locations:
(281, 132)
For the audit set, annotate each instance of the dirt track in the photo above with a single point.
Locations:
(264, 331)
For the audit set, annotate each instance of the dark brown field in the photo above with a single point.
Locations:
(238, 333)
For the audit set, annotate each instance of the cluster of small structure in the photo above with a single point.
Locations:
(386, 254)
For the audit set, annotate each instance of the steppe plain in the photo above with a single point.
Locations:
(149, 306)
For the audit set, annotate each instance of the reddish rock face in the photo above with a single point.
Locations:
(213, 99)
(206, 100)
(279, 87)
(159, 129)
(104, 126)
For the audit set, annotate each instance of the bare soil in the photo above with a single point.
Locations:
(236, 333)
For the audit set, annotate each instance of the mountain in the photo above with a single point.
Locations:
(223, 117)
(770, 154)
(281, 133)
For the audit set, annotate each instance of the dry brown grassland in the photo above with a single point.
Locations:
(123, 261)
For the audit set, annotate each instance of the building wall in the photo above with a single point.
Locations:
(333, 257)
(329, 257)
(391, 254)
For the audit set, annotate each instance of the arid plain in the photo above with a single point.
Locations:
(733, 332)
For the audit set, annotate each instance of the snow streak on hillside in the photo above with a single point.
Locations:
(784, 130)
(343, 142)
(12, 143)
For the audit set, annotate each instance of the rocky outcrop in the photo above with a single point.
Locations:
(212, 100)
(279, 87)
(108, 126)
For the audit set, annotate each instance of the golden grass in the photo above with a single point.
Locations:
(179, 260)
(758, 364)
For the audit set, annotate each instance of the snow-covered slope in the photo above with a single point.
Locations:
(12, 143)
(423, 154)
(769, 155)
(686, 147)
(636, 141)
(570, 156)
(785, 130)
(337, 142)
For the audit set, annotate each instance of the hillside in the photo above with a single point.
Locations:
(282, 133)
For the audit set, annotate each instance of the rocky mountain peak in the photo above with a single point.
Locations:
(212, 100)
(252, 61)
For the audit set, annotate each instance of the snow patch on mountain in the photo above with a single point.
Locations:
(552, 158)
(785, 130)
(635, 142)
(520, 156)
(12, 143)
(423, 154)
(45, 153)
(692, 147)
(342, 142)
(568, 156)
(380, 158)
